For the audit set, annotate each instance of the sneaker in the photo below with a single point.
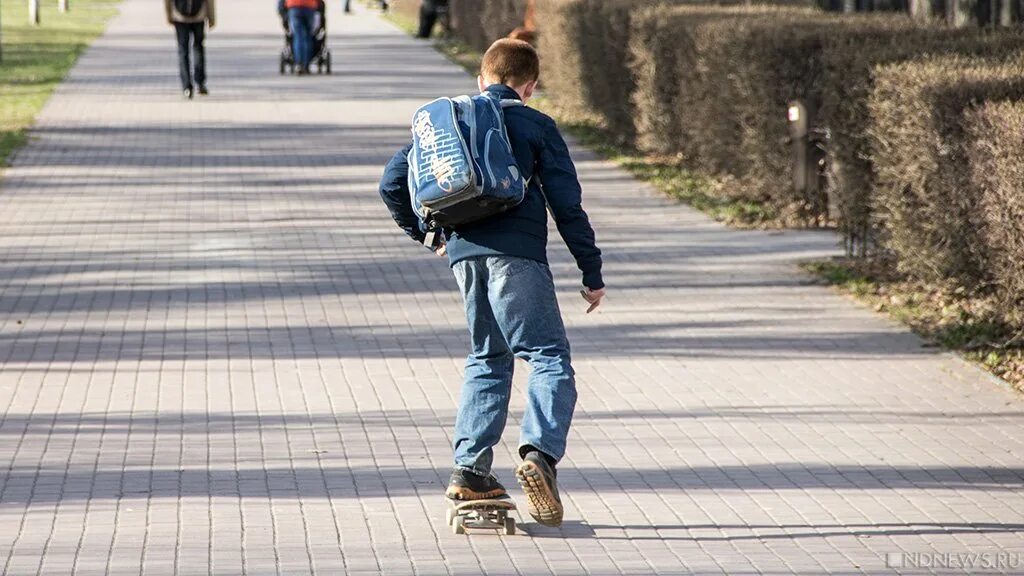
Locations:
(465, 485)
(538, 479)
(203, 91)
(187, 94)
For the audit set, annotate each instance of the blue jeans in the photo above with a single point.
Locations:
(302, 21)
(512, 313)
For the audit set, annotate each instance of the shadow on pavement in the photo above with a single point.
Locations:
(762, 532)
(319, 474)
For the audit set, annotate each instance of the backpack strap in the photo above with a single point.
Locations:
(503, 104)
(468, 108)
(469, 117)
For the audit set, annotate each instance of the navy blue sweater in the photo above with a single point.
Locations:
(543, 158)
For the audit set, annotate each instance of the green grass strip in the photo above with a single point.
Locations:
(36, 58)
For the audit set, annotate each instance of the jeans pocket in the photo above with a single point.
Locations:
(508, 266)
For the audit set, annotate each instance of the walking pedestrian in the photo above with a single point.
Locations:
(302, 17)
(429, 12)
(190, 18)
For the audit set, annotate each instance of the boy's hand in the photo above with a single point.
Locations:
(441, 250)
(593, 297)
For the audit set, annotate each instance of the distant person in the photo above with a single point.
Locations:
(190, 18)
(348, 6)
(302, 20)
(429, 11)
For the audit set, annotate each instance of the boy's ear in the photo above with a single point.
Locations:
(528, 90)
(480, 83)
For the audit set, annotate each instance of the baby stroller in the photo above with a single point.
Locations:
(321, 55)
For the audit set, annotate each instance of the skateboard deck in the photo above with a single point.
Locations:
(491, 514)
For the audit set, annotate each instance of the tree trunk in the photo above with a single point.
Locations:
(919, 9)
(961, 13)
(1007, 13)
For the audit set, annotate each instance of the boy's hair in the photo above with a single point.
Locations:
(511, 62)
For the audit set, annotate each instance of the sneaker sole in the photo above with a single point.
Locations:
(542, 504)
(462, 493)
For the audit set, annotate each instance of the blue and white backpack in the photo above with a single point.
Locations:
(461, 166)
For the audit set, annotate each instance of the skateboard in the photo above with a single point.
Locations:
(492, 514)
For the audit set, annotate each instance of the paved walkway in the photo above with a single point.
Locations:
(219, 356)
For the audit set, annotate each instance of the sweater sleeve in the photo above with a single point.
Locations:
(565, 200)
(211, 12)
(394, 191)
(169, 10)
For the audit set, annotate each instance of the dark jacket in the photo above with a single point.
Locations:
(543, 158)
(206, 14)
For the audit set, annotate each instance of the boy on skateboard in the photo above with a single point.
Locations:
(500, 265)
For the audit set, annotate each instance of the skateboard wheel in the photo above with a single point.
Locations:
(510, 526)
(459, 525)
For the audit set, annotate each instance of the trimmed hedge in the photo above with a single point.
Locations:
(924, 195)
(479, 23)
(475, 22)
(674, 55)
(995, 135)
(583, 45)
(849, 59)
(712, 83)
(410, 9)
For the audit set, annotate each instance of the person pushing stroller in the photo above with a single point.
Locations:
(304, 18)
(315, 51)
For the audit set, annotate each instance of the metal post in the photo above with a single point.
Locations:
(810, 145)
(33, 12)
(62, 5)
(799, 126)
